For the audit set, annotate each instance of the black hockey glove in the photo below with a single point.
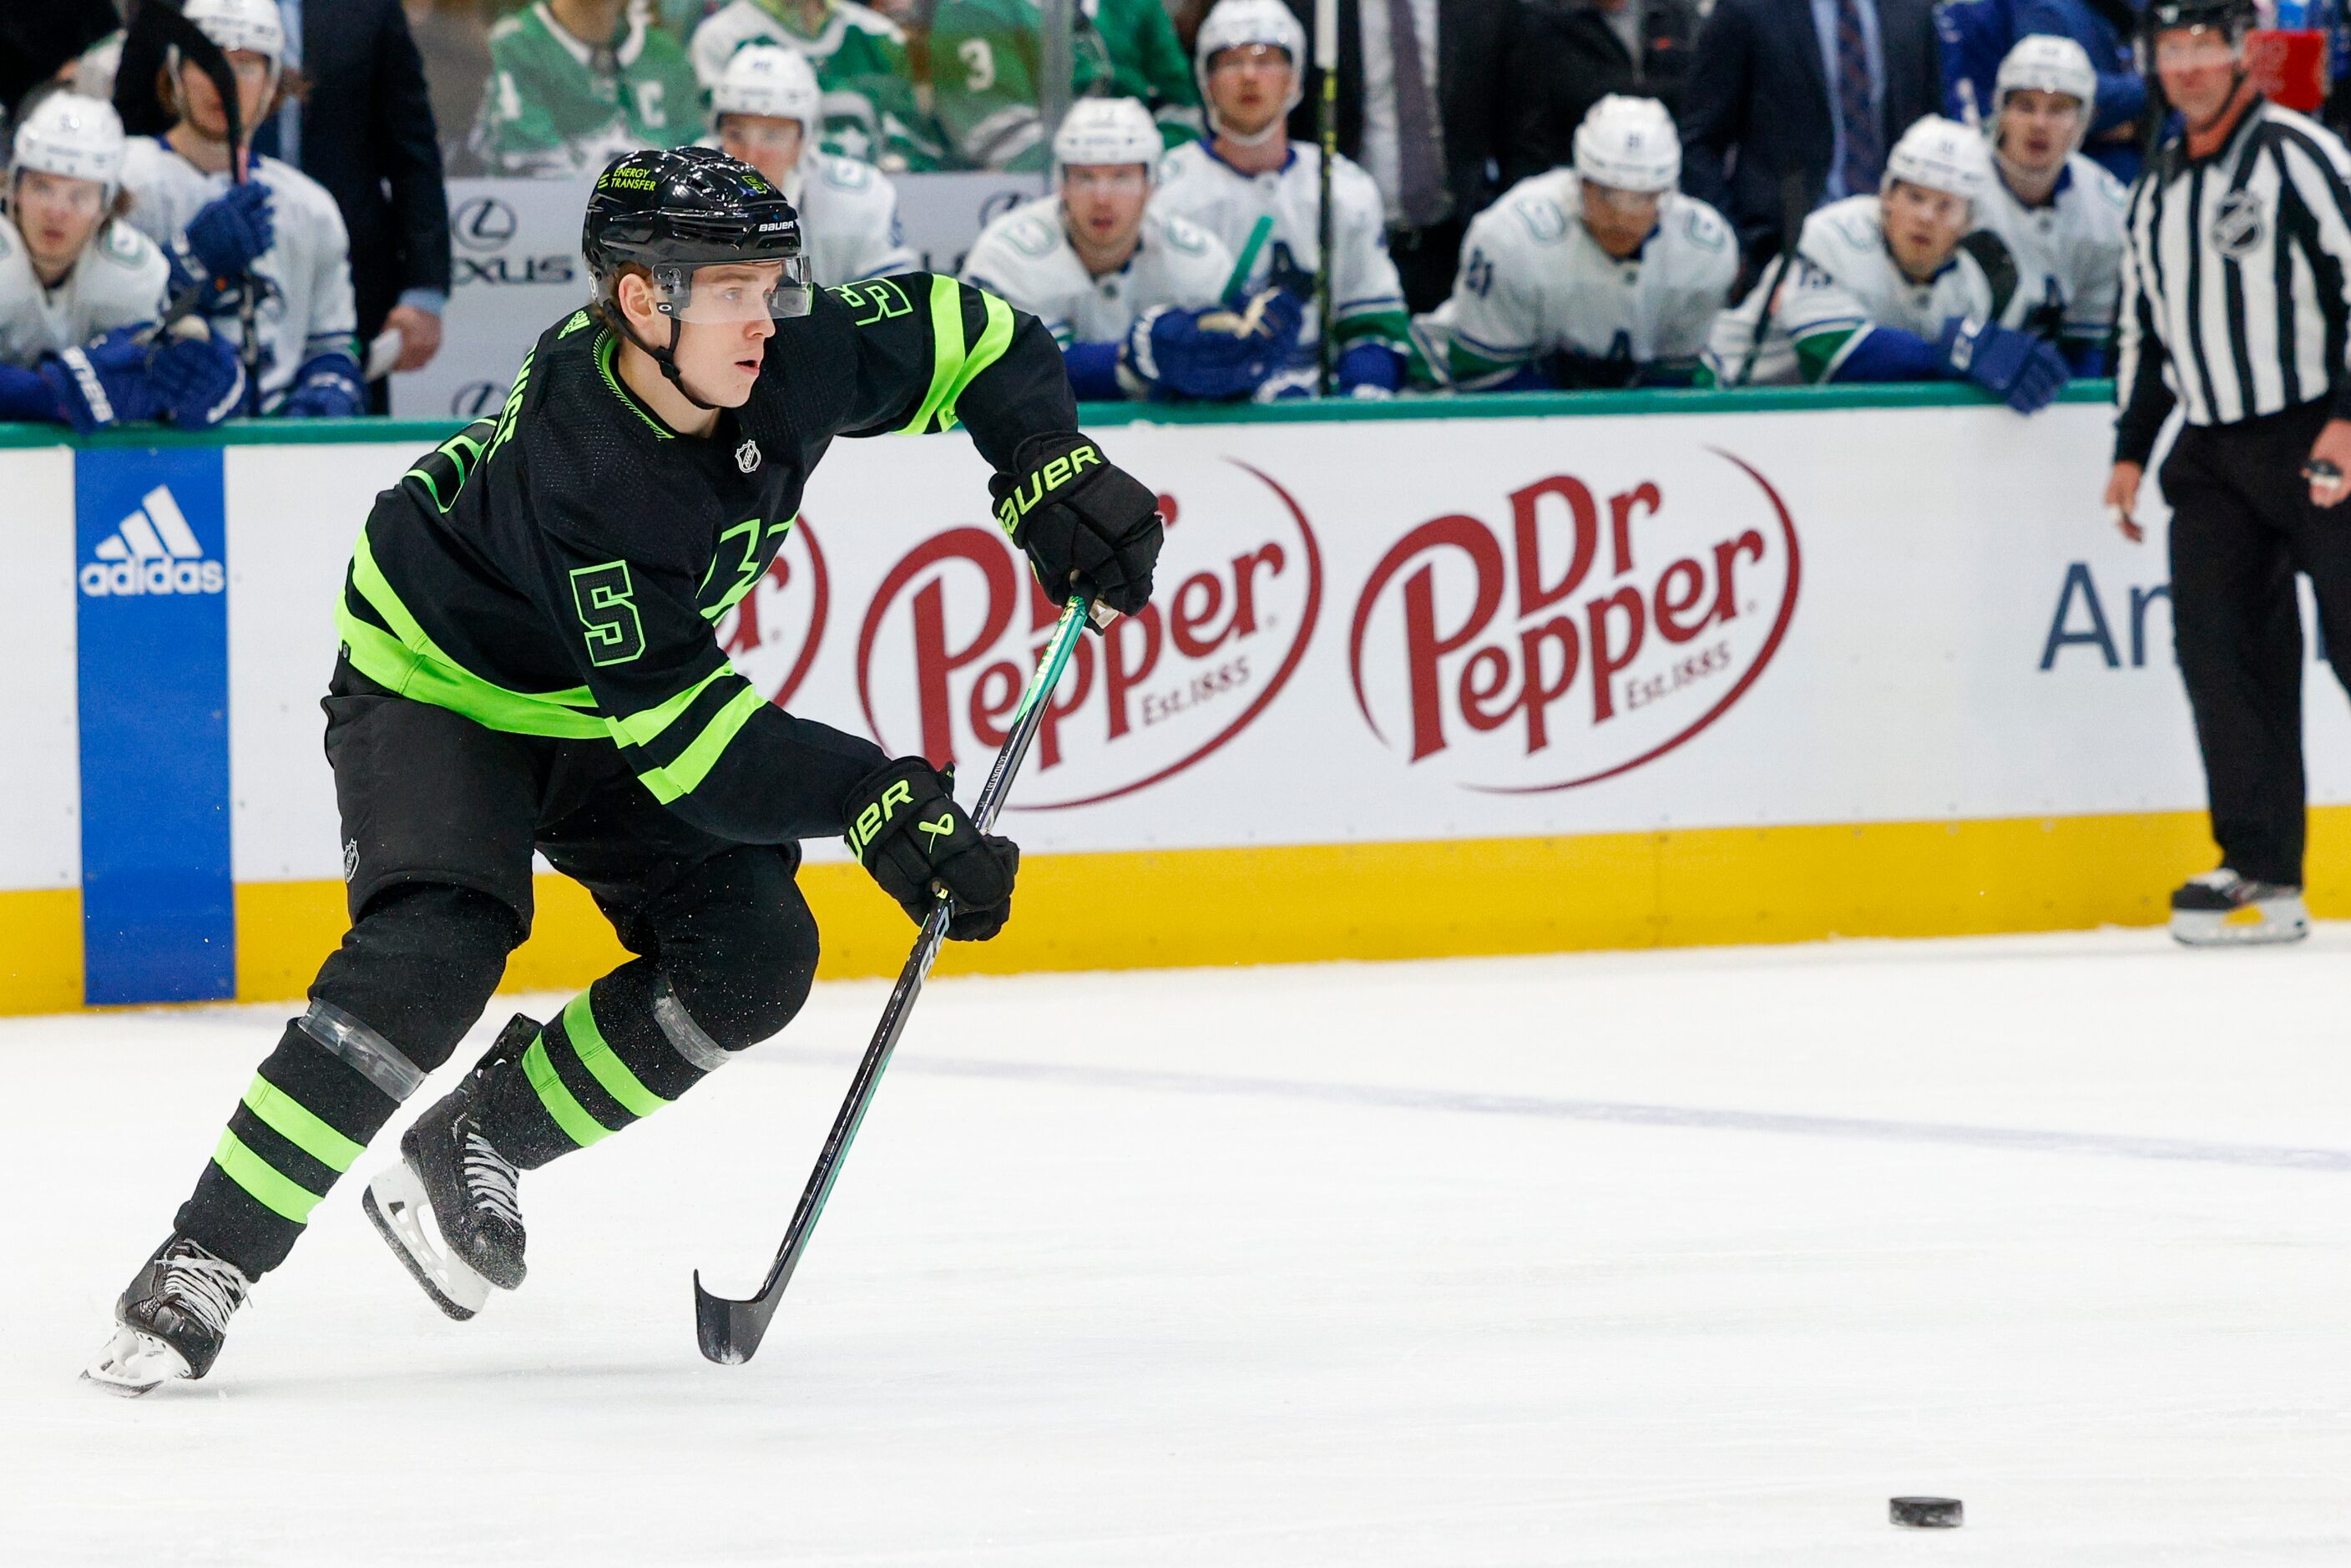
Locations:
(906, 830)
(1080, 516)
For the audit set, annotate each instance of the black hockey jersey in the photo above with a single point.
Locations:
(561, 570)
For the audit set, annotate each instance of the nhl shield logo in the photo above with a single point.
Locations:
(747, 456)
(2237, 225)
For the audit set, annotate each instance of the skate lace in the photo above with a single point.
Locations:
(208, 1288)
(491, 1177)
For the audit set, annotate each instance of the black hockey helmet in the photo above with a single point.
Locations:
(2234, 18)
(676, 210)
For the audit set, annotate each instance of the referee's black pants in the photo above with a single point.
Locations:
(2242, 526)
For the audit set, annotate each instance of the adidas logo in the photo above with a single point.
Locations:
(152, 550)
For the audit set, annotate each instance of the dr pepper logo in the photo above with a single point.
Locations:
(959, 623)
(1590, 630)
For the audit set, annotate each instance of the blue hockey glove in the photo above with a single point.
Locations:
(1213, 354)
(1368, 370)
(233, 230)
(326, 387)
(103, 383)
(197, 380)
(2014, 366)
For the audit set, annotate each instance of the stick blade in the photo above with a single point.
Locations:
(729, 1332)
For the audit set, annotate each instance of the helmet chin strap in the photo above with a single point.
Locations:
(666, 357)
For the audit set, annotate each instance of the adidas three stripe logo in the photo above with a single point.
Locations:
(152, 550)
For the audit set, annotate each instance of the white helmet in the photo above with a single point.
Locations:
(1628, 145)
(1237, 24)
(1941, 155)
(235, 24)
(1099, 130)
(69, 135)
(2046, 63)
(770, 81)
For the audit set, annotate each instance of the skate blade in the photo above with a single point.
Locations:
(134, 1362)
(2260, 924)
(396, 1206)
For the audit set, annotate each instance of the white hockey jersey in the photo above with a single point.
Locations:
(2069, 254)
(306, 308)
(1026, 258)
(1365, 295)
(1843, 282)
(1533, 281)
(119, 280)
(849, 219)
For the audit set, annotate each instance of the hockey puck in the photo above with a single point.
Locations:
(1926, 1513)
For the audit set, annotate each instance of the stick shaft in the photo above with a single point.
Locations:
(730, 1330)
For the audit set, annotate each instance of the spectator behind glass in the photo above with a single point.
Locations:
(365, 131)
(1424, 88)
(1790, 103)
(575, 83)
(270, 249)
(453, 37)
(870, 110)
(1881, 289)
(1574, 53)
(986, 55)
(80, 290)
(1602, 274)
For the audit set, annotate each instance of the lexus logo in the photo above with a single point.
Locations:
(476, 399)
(999, 203)
(484, 223)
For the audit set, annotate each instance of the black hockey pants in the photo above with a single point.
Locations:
(440, 817)
(2242, 526)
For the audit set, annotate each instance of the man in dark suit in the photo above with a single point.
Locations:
(1471, 70)
(1577, 52)
(1794, 102)
(365, 131)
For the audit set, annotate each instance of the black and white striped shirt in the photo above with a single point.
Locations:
(2236, 280)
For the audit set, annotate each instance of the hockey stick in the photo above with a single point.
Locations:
(198, 50)
(1795, 202)
(730, 1330)
(1326, 58)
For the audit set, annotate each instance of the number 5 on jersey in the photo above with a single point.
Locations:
(604, 596)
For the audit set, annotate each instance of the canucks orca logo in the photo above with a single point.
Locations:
(2238, 226)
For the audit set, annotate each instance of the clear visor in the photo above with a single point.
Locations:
(728, 294)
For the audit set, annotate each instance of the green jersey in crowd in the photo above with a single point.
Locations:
(985, 65)
(870, 111)
(555, 106)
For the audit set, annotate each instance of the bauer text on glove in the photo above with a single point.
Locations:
(906, 830)
(1084, 522)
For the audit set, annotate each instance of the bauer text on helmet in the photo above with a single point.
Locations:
(1628, 145)
(1240, 105)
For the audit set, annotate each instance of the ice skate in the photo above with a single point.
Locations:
(171, 1320)
(2222, 909)
(449, 1208)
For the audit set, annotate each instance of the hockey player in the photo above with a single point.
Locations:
(1880, 290)
(871, 111)
(2059, 213)
(985, 54)
(1604, 274)
(273, 235)
(81, 290)
(763, 108)
(1249, 57)
(529, 662)
(572, 82)
(1134, 296)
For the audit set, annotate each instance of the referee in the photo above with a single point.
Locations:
(2236, 310)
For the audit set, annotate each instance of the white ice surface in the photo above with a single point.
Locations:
(1447, 1263)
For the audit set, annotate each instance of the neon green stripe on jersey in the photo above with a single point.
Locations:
(587, 1044)
(946, 350)
(994, 338)
(556, 1095)
(604, 347)
(300, 1126)
(274, 1191)
(408, 662)
(685, 774)
(644, 729)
